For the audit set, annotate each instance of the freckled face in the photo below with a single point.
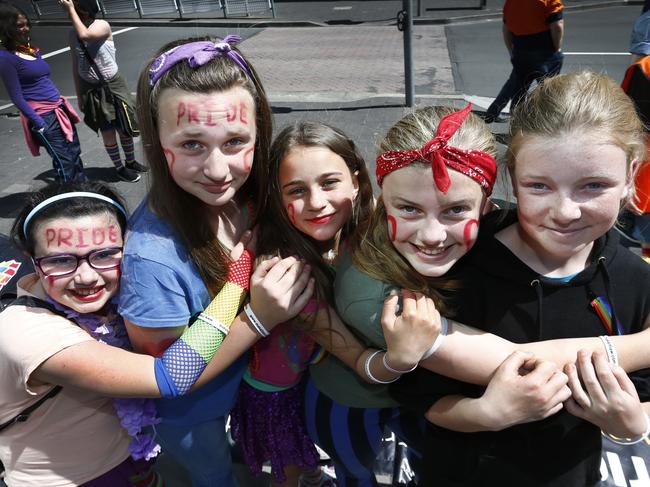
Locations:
(317, 191)
(431, 229)
(569, 193)
(87, 290)
(208, 140)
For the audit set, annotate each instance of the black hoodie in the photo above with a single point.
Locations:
(502, 295)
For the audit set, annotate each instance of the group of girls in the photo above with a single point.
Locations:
(367, 284)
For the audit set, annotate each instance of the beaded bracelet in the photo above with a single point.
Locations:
(612, 356)
(631, 441)
(369, 374)
(444, 327)
(257, 324)
(395, 371)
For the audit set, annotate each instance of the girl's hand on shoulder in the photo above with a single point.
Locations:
(409, 335)
(604, 395)
(524, 389)
(280, 289)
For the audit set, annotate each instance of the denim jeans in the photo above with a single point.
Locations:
(203, 449)
(527, 66)
(66, 156)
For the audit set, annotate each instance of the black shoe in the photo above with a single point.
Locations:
(128, 174)
(136, 166)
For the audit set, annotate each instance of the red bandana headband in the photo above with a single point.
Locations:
(478, 165)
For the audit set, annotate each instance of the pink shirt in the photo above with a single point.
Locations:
(71, 438)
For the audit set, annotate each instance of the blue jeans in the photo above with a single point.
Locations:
(66, 156)
(527, 67)
(203, 449)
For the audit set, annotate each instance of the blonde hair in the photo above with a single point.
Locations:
(412, 132)
(581, 101)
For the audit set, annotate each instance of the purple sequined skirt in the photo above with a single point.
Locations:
(270, 426)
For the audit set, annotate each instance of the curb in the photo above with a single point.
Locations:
(270, 23)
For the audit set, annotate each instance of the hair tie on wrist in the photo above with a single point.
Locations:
(395, 371)
(257, 324)
(369, 374)
(444, 327)
(631, 441)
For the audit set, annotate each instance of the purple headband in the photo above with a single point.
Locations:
(197, 54)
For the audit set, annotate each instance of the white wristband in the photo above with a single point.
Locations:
(212, 321)
(369, 374)
(257, 324)
(631, 441)
(444, 327)
(612, 356)
(395, 371)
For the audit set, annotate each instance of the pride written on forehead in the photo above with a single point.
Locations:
(211, 114)
(80, 237)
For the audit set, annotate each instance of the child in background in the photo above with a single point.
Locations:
(551, 269)
(319, 194)
(206, 128)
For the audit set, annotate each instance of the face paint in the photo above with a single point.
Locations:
(192, 114)
(393, 227)
(99, 236)
(64, 236)
(291, 212)
(50, 235)
(180, 112)
(469, 235)
(231, 113)
(80, 238)
(247, 163)
(112, 234)
(243, 116)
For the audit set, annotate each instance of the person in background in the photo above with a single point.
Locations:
(48, 119)
(93, 37)
(532, 32)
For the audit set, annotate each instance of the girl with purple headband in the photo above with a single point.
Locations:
(206, 127)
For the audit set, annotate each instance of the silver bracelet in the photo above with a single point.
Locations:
(444, 327)
(369, 374)
(631, 441)
(395, 371)
(612, 356)
(257, 324)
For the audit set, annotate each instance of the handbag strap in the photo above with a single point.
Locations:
(21, 417)
(92, 62)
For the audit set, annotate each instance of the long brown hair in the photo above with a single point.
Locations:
(186, 213)
(375, 254)
(277, 233)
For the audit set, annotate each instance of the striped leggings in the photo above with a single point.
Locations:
(352, 436)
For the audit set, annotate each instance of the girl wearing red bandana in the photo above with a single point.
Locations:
(552, 268)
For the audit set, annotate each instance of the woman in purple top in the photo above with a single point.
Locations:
(48, 119)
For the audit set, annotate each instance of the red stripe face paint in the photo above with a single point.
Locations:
(393, 227)
(171, 159)
(291, 213)
(243, 116)
(248, 159)
(469, 234)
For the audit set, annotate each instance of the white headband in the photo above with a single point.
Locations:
(65, 196)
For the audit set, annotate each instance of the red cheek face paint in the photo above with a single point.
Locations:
(393, 227)
(291, 212)
(469, 235)
(248, 159)
(171, 159)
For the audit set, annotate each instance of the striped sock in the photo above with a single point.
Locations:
(114, 153)
(128, 148)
